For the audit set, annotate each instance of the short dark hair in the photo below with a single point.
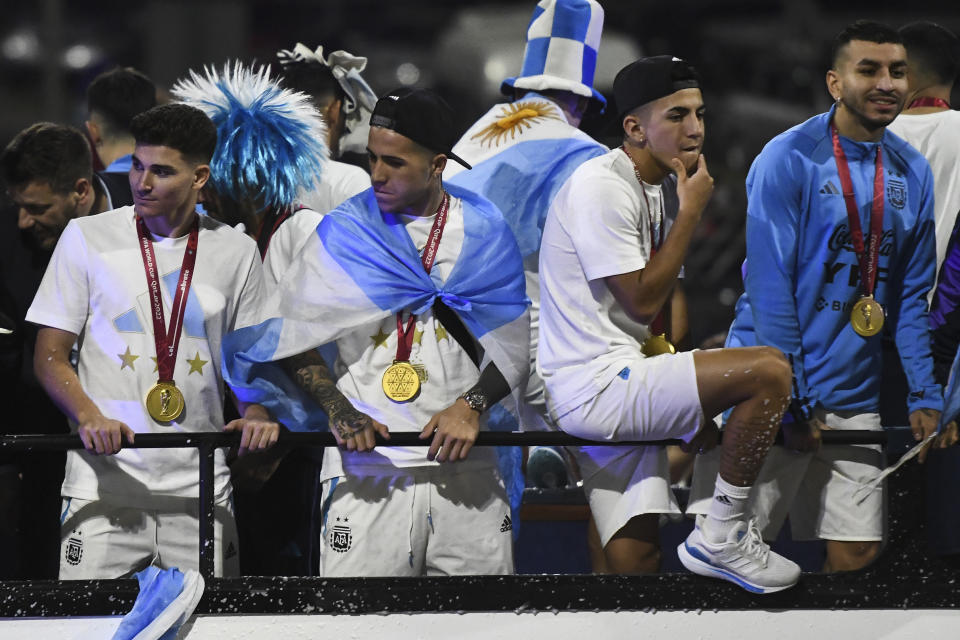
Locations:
(312, 78)
(118, 95)
(932, 51)
(49, 153)
(180, 127)
(866, 30)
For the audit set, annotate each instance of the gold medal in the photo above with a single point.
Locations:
(401, 382)
(164, 401)
(657, 345)
(867, 317)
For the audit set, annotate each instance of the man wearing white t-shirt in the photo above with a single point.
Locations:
(421, 288)
(341, 96)
(933, 128)
(928, 123)
(113, 282)
(607, 265)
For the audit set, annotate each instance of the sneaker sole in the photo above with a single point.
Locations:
(704, 568)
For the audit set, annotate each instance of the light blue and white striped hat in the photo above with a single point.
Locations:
(562, 43)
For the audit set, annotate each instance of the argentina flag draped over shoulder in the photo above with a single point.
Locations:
(522, 153)
(360, 267)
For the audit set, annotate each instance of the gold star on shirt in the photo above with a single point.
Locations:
(418, 336)
(196, 364)
(126, 359)
(442, 333)
(156, 367)
(380, 340)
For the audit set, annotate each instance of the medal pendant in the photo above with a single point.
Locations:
(867, 317)
(164, 401)
(657, 345)
(421, 372)
(401, 382)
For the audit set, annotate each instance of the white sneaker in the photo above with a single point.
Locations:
(744, 559)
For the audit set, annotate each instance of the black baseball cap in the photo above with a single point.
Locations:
(421, 115)
(649, 79)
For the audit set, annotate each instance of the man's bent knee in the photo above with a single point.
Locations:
(775, 371)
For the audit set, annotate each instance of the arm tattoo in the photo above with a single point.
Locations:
(313, 376)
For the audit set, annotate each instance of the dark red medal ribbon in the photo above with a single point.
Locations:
(658, 325)
(870, 258)
(405, 335)
(929, 102)
(167, 341)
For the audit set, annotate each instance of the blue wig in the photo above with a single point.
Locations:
(271, 142)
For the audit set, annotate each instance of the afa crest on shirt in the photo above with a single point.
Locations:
(897, 193)
(341, 538)
(74, 551)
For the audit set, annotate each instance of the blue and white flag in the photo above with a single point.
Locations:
(166, 601)
(360, 267)
(522, 153)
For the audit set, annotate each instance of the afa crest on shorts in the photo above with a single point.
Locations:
(74, 550)
(897, 193)
(341, 538)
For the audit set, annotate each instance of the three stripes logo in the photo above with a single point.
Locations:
(507, 524)
(830, 189)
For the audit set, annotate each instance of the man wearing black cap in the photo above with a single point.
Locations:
(421, 289)
(608, 262)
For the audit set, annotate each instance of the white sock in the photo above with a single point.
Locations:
(726, 510)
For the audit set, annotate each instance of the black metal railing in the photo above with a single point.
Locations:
(207, 443)
(903, 576)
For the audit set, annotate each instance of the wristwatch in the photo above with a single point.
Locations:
(476, 399)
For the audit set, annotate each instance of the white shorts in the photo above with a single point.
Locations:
(652, 399)
(623, 482)
(815, 489)
(414, 522)
(100, 540)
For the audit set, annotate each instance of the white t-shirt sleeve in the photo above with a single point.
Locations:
(63, 299)
(251, 296)
(606, 231)
(286, 243)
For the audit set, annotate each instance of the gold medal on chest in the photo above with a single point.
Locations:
(657, 345)
(401, 382)
(867, 317)
(164, 401)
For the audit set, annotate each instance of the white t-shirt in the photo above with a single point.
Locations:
(366, 354)
(599, 225)
(937, 137)
(340, 181)
(95, 287)
(287, 242)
